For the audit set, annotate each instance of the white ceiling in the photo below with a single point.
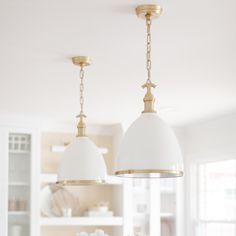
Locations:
(194, 58)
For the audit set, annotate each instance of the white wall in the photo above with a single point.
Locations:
(213, 136)
(212, 139)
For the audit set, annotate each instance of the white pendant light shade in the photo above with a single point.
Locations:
(149, 149)
(82, 163)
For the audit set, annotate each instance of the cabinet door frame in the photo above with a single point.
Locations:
(4, 182)
(34, 178)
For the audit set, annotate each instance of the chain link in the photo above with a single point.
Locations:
(148, 55)
(81, 90)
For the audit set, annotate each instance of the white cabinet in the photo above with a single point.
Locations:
(18, 182)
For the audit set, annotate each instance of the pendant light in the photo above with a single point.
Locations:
(149, 148)
(82, 162)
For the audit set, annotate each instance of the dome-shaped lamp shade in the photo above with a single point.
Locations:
(149, 149)
(82, 164)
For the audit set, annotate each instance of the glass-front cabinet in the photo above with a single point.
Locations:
(19, 186)
(156, 204)
(17, 171)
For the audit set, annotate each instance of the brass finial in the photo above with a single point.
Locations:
(149, 98)
(81, 127)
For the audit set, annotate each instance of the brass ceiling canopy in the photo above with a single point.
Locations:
(81, 61)
(154, 11)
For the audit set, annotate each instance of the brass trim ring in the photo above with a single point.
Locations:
(80, 182)
(149, 173)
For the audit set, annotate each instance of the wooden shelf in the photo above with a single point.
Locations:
(114, 180)
(18, 213)
(163, 216)
(19, 152)
(48, 178)
(62, 148)
(167, 191)
(81, 221)
(162, 191)
(167, 216)
(18, 184)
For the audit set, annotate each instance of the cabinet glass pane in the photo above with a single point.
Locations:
(141, 207)
(19, 156)
(168, 206)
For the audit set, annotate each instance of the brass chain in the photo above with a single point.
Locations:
(81, 90)
(149, 98)
(149, 62)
